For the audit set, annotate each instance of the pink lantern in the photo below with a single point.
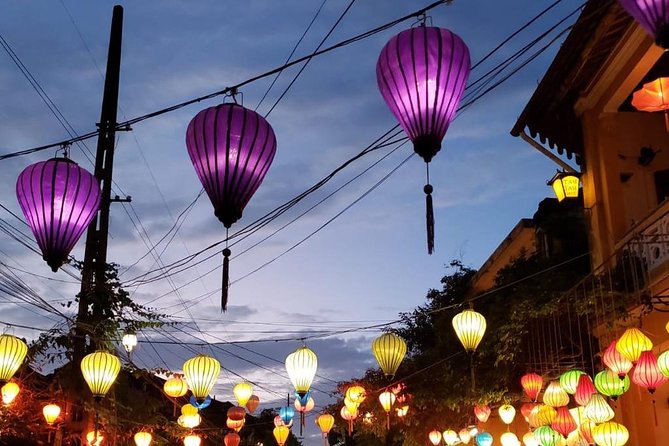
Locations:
(647, 373)
(653, 15)
(482, 412)
(59, 199)
(616, 362)
(584, 390)
(564, 421)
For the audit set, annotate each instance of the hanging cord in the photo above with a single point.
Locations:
(226, 274)
(429, 211)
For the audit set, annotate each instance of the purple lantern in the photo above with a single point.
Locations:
(59, 199)
(422, 73)
(231, 149)
(653, 15)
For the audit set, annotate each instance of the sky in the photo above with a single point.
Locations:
(365, 266)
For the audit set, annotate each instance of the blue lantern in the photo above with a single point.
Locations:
(303, 399)
(287, 413)
(203, 405)
(484, 439)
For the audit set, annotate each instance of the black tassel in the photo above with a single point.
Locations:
(429, 218)
(226, 279)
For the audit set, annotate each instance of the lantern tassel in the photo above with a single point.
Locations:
(429, 218)
(226, 280)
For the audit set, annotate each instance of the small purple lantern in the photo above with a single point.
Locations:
(653, 15)
(231, 149)
(422, 73)
(59, 199)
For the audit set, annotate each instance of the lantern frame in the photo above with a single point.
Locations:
(565, 185)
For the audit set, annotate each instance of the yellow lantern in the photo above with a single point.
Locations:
(632, 343)
(509, 439)
(325, 422)
(598, 410)
(529, 440)
(610, 434)
(565, 185)
(356, 394)
(389, 351)
(450, 437)
(51, 413)
(465, 435)
(189, 410)
(387, 399)
(192, 440)
(94, 438)
(143, 438)
(507, 413)
(9, 393)
(555, 396)
(100, 370)
(201, 373)
(663, 363)
(243, 392)
(175, 387)
(12, 353)
(469, 327)
(189, 421)
(350, 405)
(435, 437)
(129, 342)
(301, 366)
(575, 438)
(281, 434)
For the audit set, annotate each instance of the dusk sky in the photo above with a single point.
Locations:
(363, 268)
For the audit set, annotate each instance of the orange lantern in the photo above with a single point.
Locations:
(632, 343)
(253, 403)
(356, 394)
(653, 97)
(616, 362)
(231, 439)
(435, 437)
(564, 422)
(9, 392)
(236, 413)
(525, 410)
(532, 383)
(482, 412)
(235, 425)
(325, 422)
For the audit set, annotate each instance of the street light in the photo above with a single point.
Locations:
(565, 185)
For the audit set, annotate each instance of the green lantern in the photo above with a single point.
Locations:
(569, 380)
(546, 436)
(609, 384)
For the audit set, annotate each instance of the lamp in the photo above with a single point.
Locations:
(565, 184)
(232, 439)
(469, 327)
(301, 366)
(12, 353)
(243, 392)
(143, 438)
(389, 351)
(653, 16)
(100, 370)
(615, 361)
(555, 396)
(435, 437)
(175, 387)
(632, 343)
(531, 384)
(450, 437)
(51, 413)
(610, 434)
(506, 413)
(192, 440)
(608, 384)
(9, 392)
(129, 342)
(201, 373)
(281, 434)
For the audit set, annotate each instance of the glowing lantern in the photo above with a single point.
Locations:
(59, 199)
(387, 399)
(598, 410)
(189, 421)
(12, 353)
(450, 437)
(175, 387)
(483, 439)
(9, 393)
(545, 415)
(653, 97)
(231, 439)
(100, 370)
(350, 405)
(389, 350)
(507, 413)
(469, 327)
(616, 362)
(464, 435)
(301, 366)
(565, 185)
(632, 343)
(253, 403)
(473, 431)
(576, 439)
(402, 411)
(586, 430)
(278, 421)
(368, 418)
(201, 373)
(653, 16)
(584, 390)
(530, 440)
(610, 434)
(577, 414)
(482, 412)
(531, 383)
(422, 73)
(143, 439)
(348, 416)
(356, 394)
(666, 327)
(94, 438)
(525, 410)
(555, 396)
(51, 413)
(547, 436)
(231, 149)
(608, 384)
(325, 422)
(564, 421)
(242, 392)
(509, 439)
(192, 440)
(281, 434)
(569, 380)
(237, 425)
(647, 373)
(237, 413)
(189, 410)
(663, 363)
(435, 437)
(306, 408)
(129, 342)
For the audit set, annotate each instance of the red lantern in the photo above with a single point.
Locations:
(482, 412)
(584, 390)
(532, 384)
(616, 362)
(236, 413)
(526, 408)
(647, 374)
(564, 422)
(232, 439)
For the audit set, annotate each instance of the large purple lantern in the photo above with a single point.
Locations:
(231, 149)
(653, 15)
(422, 73)
(59, 199)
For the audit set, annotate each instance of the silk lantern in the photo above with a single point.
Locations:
(192, 440)
(435, 437)
(482, 412)
(469, 327)
(175, 387)
(281, 434)
(530, 440)
(201, 373)
(632, 343)
(526, 409)
(232, 439)
(348, 416)
(356, 394)
(242, 393)
(325, 423)
(547, 436)
(532, 384)
(59, 199)
(653, 97)
(237, 413)
(12, 353)
(143, 438)
(94, 438)
(576, 439)
(484, 439)
(569, 380)
(100, 370)
(9, 392)
(653, 16)
(509, 439)
(615, 361)
(507, 413)
(129, 342)
(253, 403)
(610, 434)
(647, 373)
(190, 410)
(51, 413)
(422, 73)
(564, 422)
(598, 410)
(231, 149)
(608, 384)
(301, 366)
(584, 390)
(663, 363)
(237, 425)
(450, 437)
(387, 399)
(389, 351)
(464, 435)
(555, 396)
